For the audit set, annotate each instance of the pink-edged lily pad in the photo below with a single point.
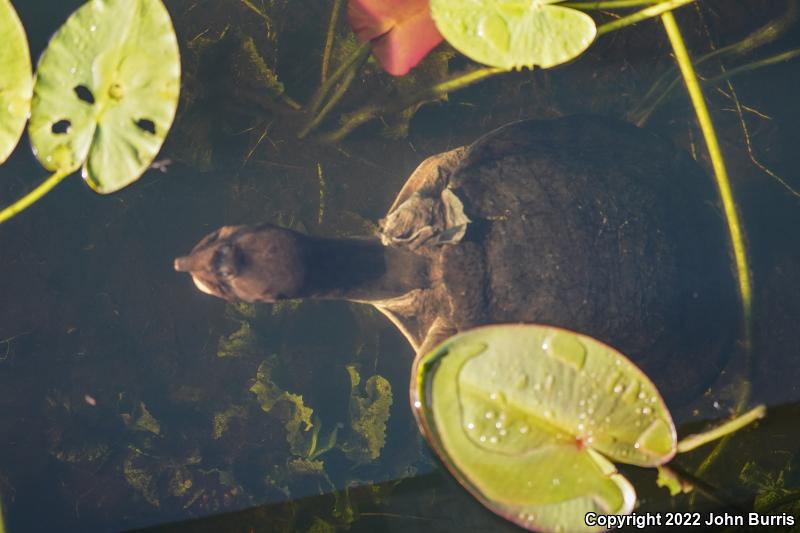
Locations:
(401, 32)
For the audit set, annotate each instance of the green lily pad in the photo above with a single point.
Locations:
(514, 33)
(528, 418)
(106, 92)
(16, 80)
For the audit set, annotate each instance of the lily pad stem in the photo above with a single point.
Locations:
(608, 4)
(698, 439)
(720, 172)
(699, 486)
(337, 95)
(27, 200)
(368, 112)
(644, 14)
(358, 55)
(753, 65)
(326, 53)
(729, 208)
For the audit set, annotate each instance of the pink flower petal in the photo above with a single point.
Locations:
(402, 31)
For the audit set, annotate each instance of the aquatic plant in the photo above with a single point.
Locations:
(529, 419)
(104, 97)
(369, 413)
(16, 84)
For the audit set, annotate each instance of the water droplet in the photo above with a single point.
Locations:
(646, 410)
(417, 404)
(493, 440)
(581, 416)
(501, 416)
(589, 440)
(523, 429)
(471, 426)
(617, 388)
(716, 405)
(498, 424)
(502, 432)
(637, 445)
(580, 427)
(642, 395)
(548, 414)
(493, 396)
(653, 399)
(582, 403)
(488, 415)
(590, 410)
(537, 386)
(92, 28)
(556, 481)
(482, 438)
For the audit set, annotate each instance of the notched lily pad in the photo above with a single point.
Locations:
(529, 418)
(16, 80)
(512, 34)
(106, 91)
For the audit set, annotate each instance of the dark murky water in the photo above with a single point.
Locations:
(92, 312)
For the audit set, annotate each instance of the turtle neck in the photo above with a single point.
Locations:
(361, 269)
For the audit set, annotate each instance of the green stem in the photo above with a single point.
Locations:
(646, 13)
(369, 112)
(778, 58)
(291, 102)
(729, 208)
(355, 58)
(699, 486)
(699, 439)
(337, 95)
(26, 201)
(720, 172)
(326, 54)
(608, 4)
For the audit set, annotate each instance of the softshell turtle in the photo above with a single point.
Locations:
(582, 222)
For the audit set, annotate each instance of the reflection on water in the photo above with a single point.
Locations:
(125, 394)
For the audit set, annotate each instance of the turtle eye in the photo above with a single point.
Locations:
(225, 261)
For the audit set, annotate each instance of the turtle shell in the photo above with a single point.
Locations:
(585, 223)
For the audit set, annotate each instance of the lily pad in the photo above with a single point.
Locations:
(512, 33)
(16, 80)
(106, 92)
(528, 418)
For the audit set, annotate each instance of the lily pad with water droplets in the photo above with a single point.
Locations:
(106, 92)
(16, 80)
(514, 33)
(529, 419)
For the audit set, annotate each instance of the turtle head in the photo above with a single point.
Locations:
(261, 263)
